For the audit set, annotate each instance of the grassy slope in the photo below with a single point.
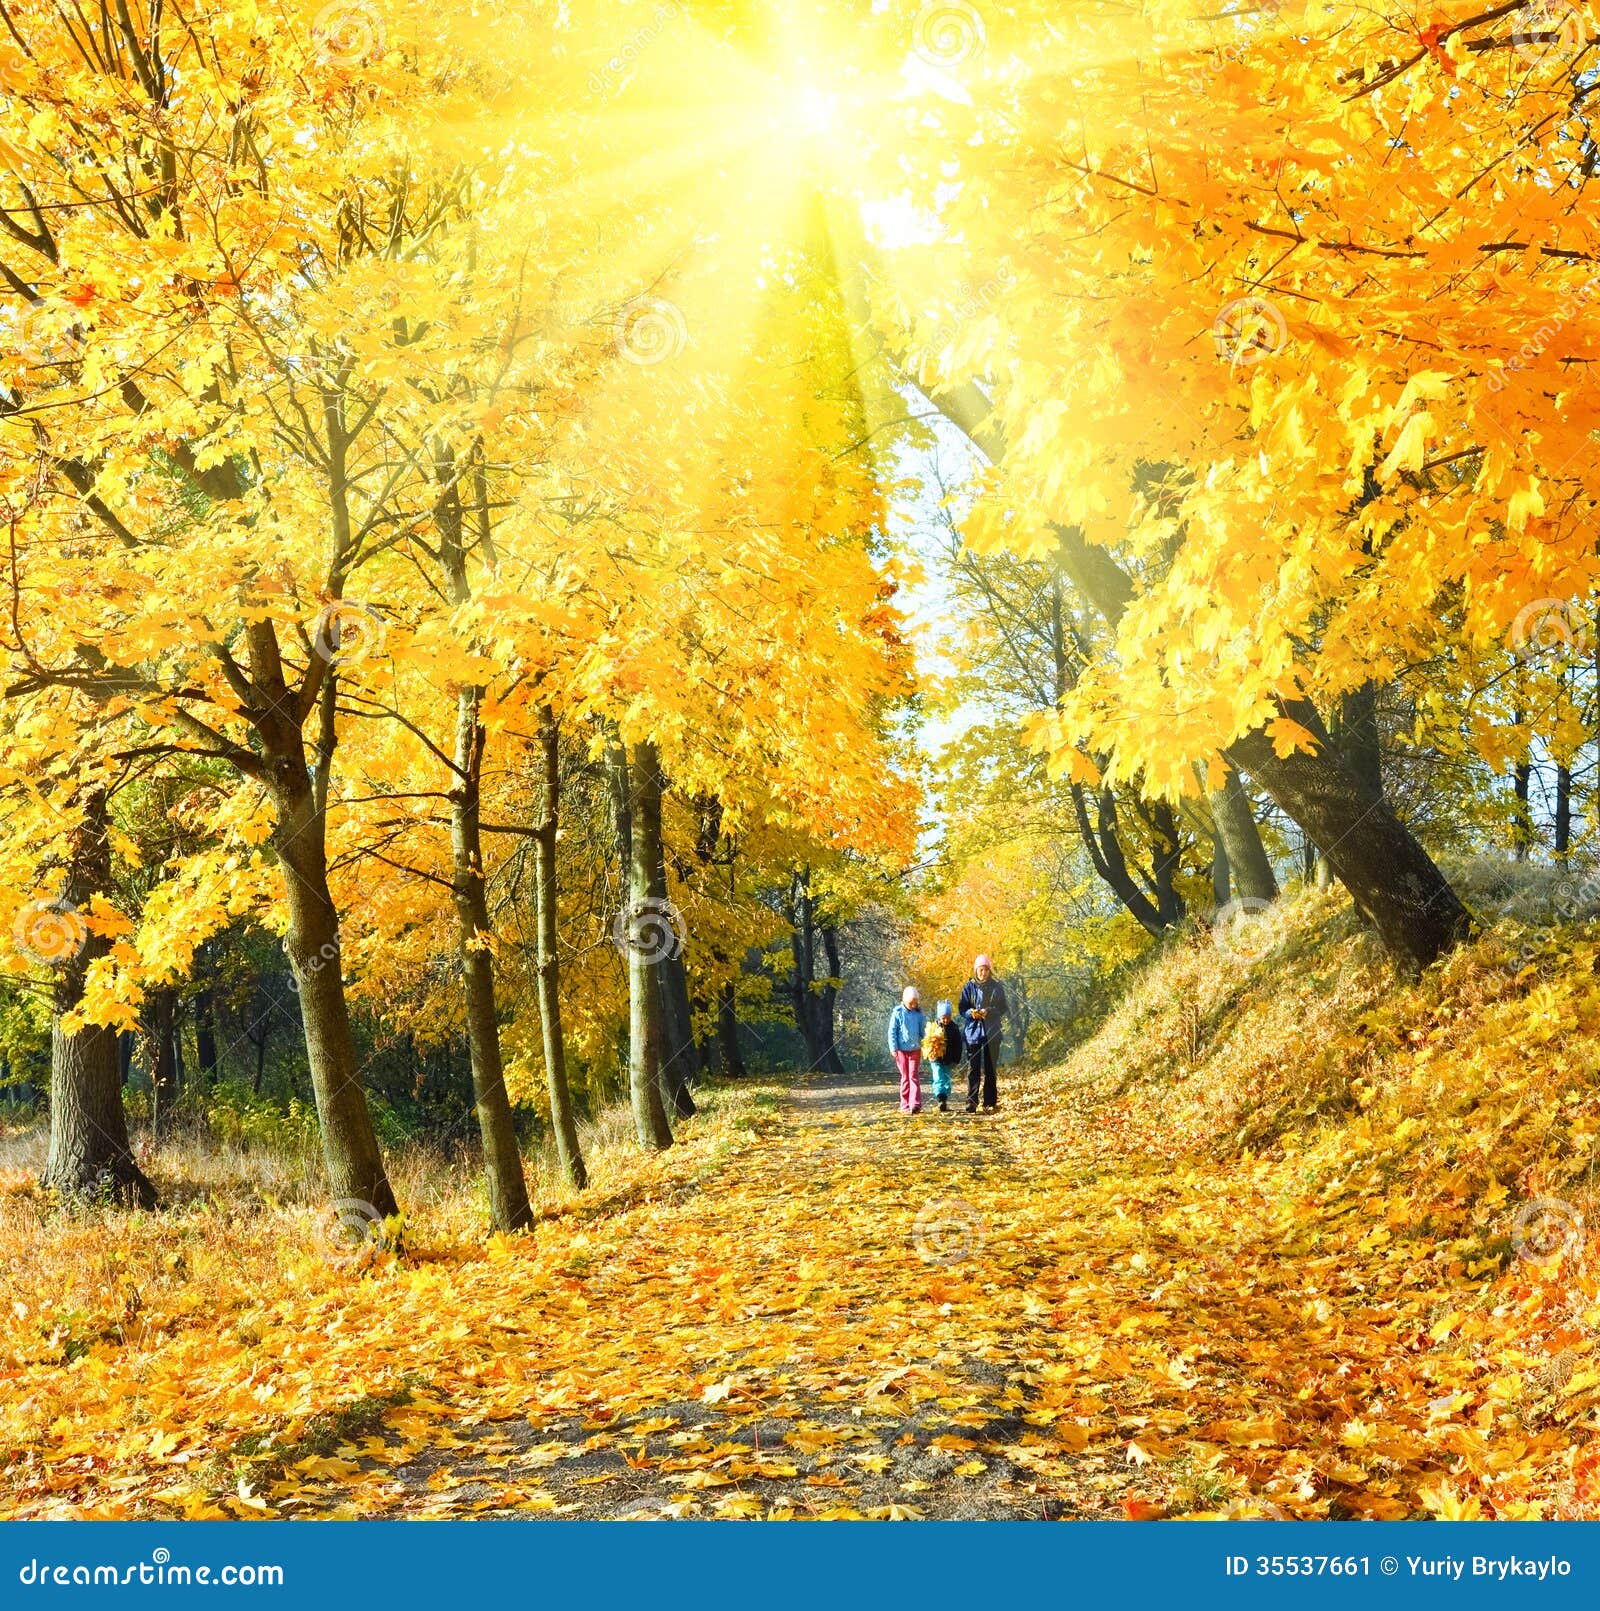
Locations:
(1327, 1170)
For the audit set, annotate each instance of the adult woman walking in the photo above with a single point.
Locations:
(906, 1024)
(983, 1009)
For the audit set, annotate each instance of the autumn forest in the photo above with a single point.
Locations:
(562, 562)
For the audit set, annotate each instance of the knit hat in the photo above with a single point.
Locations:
(981, 961)
(944, 1009)
(908, 995)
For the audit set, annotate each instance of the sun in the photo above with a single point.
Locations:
(814, 110)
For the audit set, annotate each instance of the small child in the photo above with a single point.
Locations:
(905, 1043)
(942, 1047)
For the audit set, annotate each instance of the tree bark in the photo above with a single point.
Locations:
(1249, 868)
(728, 1032)
(1563, 822)
(642, 792)
(562, 1119)
(89, 1154)
(509, 1209)
(1522, 834)
(802, 986)
(827, 1001)
(1390, 877)
(1358, 736)
(1168, 859)
(1103, 841)
(349, 1143)
(678, 1053)
(205, 1036)
(155, 1035)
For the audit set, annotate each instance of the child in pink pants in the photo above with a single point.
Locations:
(906, 1024)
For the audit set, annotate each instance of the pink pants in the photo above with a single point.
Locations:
(909, 1064)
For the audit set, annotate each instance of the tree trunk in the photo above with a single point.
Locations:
(1103, 841)
(678, 1054)
(1024, 1011)
(725, 1036)
(1563, 822)
(509, 1209)
(706, 1045)
(502, 1160)
(205, 1037)
(827, 1000)
(1358, 736)
(356, 1173)
(259, 1041)
(562, 1119)
(803, 947)
(644, 939)
(1244, 857)
(89, 1152)
(1168, 860)
(1522, 834)
(728, 1032)
(155, 1035)
(1391, 878)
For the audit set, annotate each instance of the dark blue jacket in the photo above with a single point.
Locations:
(991, 997)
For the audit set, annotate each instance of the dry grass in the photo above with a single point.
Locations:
(238, 1225)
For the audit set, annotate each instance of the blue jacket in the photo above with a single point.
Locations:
(905, 1029)
(992, 996)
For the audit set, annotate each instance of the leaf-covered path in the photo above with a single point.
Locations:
(834, 1323)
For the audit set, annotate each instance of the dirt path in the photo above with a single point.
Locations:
(864, 1317)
